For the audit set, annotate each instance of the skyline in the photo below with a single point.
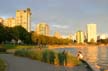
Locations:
(62, 15)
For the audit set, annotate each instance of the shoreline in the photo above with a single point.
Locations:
(75, 46)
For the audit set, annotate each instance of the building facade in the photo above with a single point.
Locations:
(23, 18)
(42, 29)
(70, 37)
(1, 20)
(57, 35)
(80, 37)
(10, 22)
(102, 36)
(91, 33)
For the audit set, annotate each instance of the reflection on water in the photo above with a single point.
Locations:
(93, 54)
(103, 57)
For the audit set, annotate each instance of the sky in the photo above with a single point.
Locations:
(64, 16)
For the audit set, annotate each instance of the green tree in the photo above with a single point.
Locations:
(20, 33)
(2, 33)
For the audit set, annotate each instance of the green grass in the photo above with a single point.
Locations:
(15, 46)
(9, 46)
(2, 65)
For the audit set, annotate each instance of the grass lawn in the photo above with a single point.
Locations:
(2, 65)
(13, 46)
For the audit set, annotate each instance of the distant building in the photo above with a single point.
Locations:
(42, 29)
(74, 37)
(80, 37)
(102, 36)
(70, 37)
(1, 20)
(23, 18)
(91, 33)
(10, 22)
(57, 35)
(64, 37)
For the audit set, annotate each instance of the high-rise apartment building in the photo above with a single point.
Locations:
(42, 29)
(80, 37)
(70, 37)
(57, 35)
(91, 33)
(23, 18)
(102, 36)
(10, 22)
(1, 20)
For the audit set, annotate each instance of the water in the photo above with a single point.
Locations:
(95, 55)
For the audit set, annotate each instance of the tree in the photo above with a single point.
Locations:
(21, 34)
(2, 33)
(46, 40)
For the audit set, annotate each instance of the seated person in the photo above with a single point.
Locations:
(79, 55)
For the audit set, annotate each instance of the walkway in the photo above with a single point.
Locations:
(15, 63)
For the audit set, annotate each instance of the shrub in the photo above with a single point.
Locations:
(49, 56)
(9, 46)
(37, 55)
(22, 52)
(61, 58)
(45, 55)
(2, 50)
(72, 61)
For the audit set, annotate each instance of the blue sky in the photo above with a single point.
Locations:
(65, 16)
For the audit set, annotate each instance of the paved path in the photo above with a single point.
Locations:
(15, 63)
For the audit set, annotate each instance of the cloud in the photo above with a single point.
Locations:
(60, 26)
(61, 15)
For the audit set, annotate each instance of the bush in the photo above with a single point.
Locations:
(45, 56)
(9, 46)
(49, 56)
(61, 58)
(71, 61)
(37, 55)
(22, 52)
(2, 50)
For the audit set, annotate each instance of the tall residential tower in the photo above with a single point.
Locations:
(42, 29)
(80, 37)
(91, 33)
(1, 20)
(23, 18)
(57, 34)
(9, 22)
